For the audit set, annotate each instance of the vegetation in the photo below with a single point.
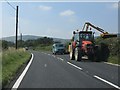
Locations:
(113, 46)
(45, 41)
(6, 44)
(114, 59)
(12, 60)
(43, 44)
(38, 42)
(43, 47)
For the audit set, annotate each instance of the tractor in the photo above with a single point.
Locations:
(83, 43)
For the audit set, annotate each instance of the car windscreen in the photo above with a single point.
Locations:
(59, 45)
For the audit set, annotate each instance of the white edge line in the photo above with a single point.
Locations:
(111, 64)
(74, 65)
(17, 83)
(107, 82)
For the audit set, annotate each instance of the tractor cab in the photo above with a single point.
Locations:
(83, 36)
(87, 36)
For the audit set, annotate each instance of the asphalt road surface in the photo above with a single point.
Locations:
(58, 71)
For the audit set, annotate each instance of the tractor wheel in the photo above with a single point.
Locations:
(78, 55)
(91, 57)
(72, 57)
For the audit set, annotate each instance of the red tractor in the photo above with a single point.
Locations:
(83, 44)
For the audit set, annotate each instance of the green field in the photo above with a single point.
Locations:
(12, 60)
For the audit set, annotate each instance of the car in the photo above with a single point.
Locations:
(26, 48)
(58, 48)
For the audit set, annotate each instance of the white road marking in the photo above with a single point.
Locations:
(61, 59)
(107, 82)
(49, 54)
(74, 66)
(45, 65)
(44, 53)
(53, 55)
(17, 83)
(58, 58)
(111, 64)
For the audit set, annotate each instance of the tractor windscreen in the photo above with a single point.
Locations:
(86, 36)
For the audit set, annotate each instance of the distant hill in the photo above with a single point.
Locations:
(25, 37)
(32, 37)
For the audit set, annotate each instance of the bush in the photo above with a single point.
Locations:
(113, 44)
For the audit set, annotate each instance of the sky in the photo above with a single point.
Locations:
(58, 19)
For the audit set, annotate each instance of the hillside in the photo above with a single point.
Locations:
(25, 37)
(32, 37)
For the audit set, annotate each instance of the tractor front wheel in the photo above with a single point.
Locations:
(78, 55)
(72, 57)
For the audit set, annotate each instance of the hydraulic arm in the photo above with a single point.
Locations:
(103, 35)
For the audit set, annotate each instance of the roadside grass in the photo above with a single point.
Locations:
(43, 48)
(114, 59)
(12, 60)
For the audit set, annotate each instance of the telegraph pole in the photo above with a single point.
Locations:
(16, 25)
(21, 39)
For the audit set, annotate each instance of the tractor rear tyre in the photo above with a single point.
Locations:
(91, 57)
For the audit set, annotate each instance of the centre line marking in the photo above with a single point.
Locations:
(74, 66)
(61, 59)
(58, 58)
(49, 54)
(107, 82)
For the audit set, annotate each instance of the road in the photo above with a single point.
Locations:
(57, 71)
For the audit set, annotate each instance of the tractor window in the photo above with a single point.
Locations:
(86, 36)
(76, 37)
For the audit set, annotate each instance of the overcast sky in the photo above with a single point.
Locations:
(58, 19)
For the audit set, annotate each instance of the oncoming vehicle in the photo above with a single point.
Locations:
(58, 48)
(26, 48)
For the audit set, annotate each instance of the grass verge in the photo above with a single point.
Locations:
(113, 59)
(12, 60)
